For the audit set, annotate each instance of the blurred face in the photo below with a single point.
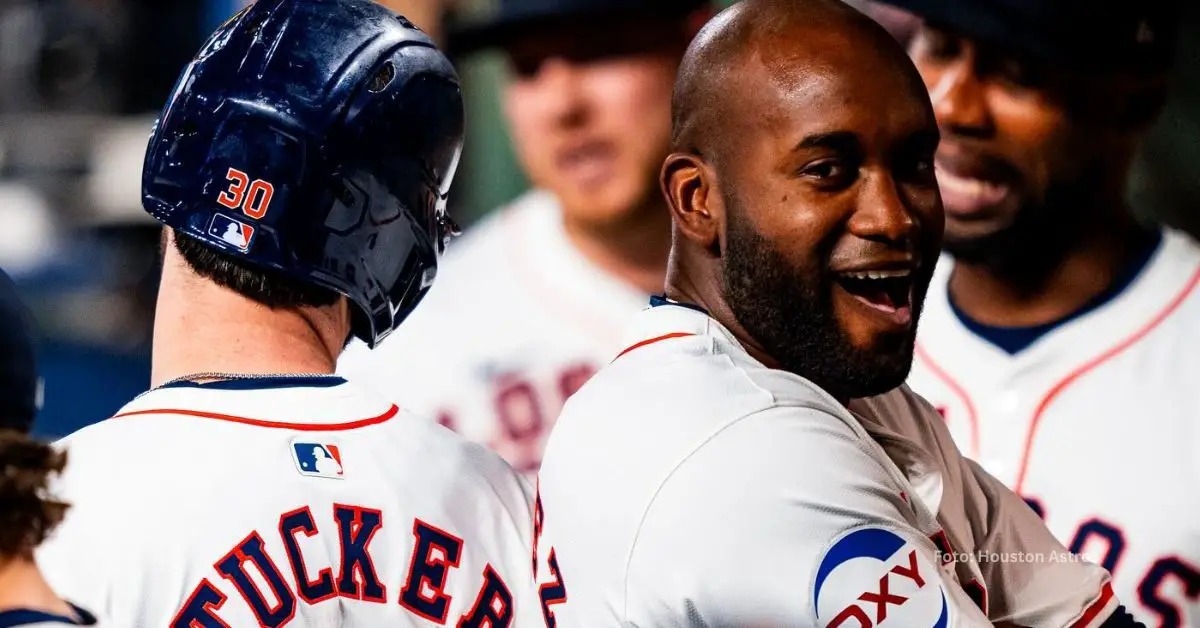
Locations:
(1012, 162)
(833, 219)
(590, 114)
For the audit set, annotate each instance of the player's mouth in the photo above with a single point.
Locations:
(885, 293)
(973, 186)
(587, 163)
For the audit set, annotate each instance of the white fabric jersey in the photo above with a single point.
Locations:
(688, 484)
(1097, 424)
(517, 320)
(297, 502)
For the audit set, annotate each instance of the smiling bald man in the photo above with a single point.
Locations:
(753, 458)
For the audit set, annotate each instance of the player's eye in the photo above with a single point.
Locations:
(525, 66)
(823, 169)
(917, 168)
(835, 173)
(1019, 73)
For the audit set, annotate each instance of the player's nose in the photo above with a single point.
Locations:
(558, 84)
(881, 213)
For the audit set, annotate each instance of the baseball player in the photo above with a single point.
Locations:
(250, 486)
(27, 514)
(530, 302)
(752, 458)
(1060, 335)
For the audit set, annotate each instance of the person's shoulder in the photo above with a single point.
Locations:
(900, 409)
(682, 374)
(899, 400)
(781, 470)
(1174, 278)
(763, 459)
(457, 467)
(107, 435)
(1181, 245)
(1181, 251)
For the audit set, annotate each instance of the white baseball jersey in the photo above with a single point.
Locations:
(517, 320)
(299, 502)
(688, 484)
(1097, 424)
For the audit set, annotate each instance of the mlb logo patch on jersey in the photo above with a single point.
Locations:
(231, 231)
(875, 577)
(318, 459)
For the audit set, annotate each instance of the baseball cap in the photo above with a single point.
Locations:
(20, 397)
(1078, 33)
(514, 19)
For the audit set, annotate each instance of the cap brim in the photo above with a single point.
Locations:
(496, 34)
(1050, 41)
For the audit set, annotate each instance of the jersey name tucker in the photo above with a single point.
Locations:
(273, 573)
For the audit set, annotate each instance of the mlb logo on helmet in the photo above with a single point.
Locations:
(231, 231)
(874, 577)
(321, 460)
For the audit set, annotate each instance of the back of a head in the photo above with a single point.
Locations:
(20, 388)
(27, 516)
(761, 32)
(306, 152)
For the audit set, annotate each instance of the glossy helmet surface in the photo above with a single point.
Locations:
(317, 138)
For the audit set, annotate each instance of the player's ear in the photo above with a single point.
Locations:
(689, 186)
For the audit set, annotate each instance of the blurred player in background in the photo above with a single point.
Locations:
(726, 470)
(27, 515)
(1061, 338)
(425, 14)
(529, 303)
(900, 23)
(301, 167)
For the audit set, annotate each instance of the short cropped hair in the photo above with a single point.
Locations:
(271, 288)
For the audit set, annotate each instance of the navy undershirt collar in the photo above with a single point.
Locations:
(661, 300)
(261, 383)
(25, 617)
(1013, 340)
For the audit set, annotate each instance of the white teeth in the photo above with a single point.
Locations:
(878, 274)
(967, 185)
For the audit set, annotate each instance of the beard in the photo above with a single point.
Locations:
(789, 312)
